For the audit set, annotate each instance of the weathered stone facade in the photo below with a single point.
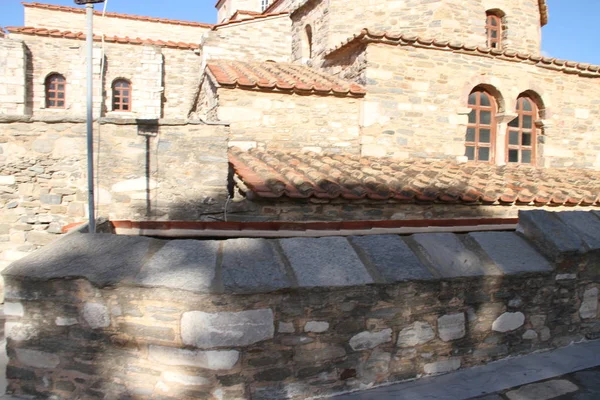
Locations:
(260, 319)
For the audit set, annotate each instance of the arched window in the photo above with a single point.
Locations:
(521, 138)
(481, 129)
(56, 92)
(307, 43)
(121, 96)
(493, 28)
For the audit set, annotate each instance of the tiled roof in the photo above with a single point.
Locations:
(118, 15)
(280, 76)
(273, 174)
(55, 33)
(397, 39)
(252, 18)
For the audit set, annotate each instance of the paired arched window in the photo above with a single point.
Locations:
(481, 129)
(264, 4)
(521, 137)
(56, 91)
(121, 95)
(493, 29)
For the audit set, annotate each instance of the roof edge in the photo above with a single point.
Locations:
(252, 19)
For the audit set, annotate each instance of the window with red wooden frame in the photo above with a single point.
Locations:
(481, 129)
(56, 91)
(121, 95)
(493, 30)
(521, 137)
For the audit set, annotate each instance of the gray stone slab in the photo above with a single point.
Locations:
(552, 236)
(392, 257)
(329, 261)
(543, 390)
(451, 258)
(252, 265)
(585, 223)
(511, 253)
(103, 259)
(182, 264)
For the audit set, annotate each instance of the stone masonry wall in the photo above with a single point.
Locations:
(416, 105)
(316, 15)
(290, 121)
(103, 316)
(12, 77)
(110, 26)
(260, 40)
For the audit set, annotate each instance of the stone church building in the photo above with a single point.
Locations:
(294, 110)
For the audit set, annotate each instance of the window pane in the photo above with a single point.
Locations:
(60, 104)
(51, 103)
(470, 135)
(485, 100)
(125, 100)
(473, 98)
(485, 118)
(514, 123)
(493, 21)
(526, 154)
(52, 86)
(494, 34)
(484, 154)
(61, 86)
(472, 117)
(470, 153)
(513, 155)
(61, 95)
(526, 139)
(513, 137)
(527, 106)
(125, 107)
(527, 122)
(484, 135)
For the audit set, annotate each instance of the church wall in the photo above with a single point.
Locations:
(290, 121)
(111, 26)
(315, 14)
(416, 105)
(260, 40)
(12, 77)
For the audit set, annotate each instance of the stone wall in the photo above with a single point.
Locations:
(135, 27)
(316, 15)
(261, 40)
(103, 316)
(12, 77)
(416, 105)
(276, 120)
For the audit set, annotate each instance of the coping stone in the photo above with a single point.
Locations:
(252, 265)
(104, 259)
(451, 258)
(549, 233)
(543, 390)
(511, 253)
(327, 261)
(392, 257)
(182, 264)
(585, 224)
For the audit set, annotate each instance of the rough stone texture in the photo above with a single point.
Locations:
(209, 330)
(543, 391)
(417, 333)
(589, 303)
(585, 224)
(96, 315)
(325, 262)
(37, 359)
(440, 367)
(508, 322)
(370, 340)
(451, 258)
(286, 327)
(195, 263)
(451, 327)
(392, 257)
(13, 309)
(316, 326)
(213, 360)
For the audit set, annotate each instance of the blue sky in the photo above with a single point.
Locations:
(571, 34)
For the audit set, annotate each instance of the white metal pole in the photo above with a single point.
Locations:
(90, 115)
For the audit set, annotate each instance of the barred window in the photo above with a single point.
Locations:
(121, 95)
(494, 30)
(55, 87)
(264, 4)
(521, 138)
(481, 129)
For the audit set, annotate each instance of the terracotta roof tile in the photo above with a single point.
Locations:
(27, 30)
(250, 19)
(118, 15)
(396, 39)
(274, 174)
(280, 76)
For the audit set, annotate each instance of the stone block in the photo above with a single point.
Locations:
(589, 304)
(510, 252)
(530, 334)
(213, 360)
(418, 333)
(186, 380)
(40, 238)
(441, 367)
(319, 354)
(329, 261)
(543, 390)
(133, 185)
(392, 257)
(52, 199)
(209, 330)
(286, 327)
(585, 224)
(65, 321)
(451, 258)
(7, 180)
(96, 315)
(182, 264)
(20, 332)
(316, 326)
(13, 309)
(549, 233)
(451, 327)
(252, 265)
(370, 340)
(76, 210)
(37, 359)
(508, 322)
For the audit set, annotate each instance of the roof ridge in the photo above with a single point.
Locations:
(118, 15)
(29, 30)
(253, 18)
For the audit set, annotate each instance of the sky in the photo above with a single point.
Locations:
(572, 32)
